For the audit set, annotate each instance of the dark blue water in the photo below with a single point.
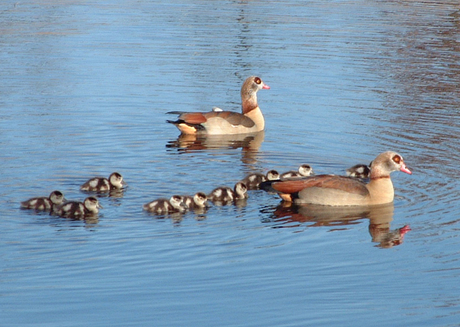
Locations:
(85, 90)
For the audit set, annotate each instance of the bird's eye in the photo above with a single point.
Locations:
(257, 80)
(397, 159)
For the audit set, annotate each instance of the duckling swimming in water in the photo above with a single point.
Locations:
(56, 198)
(196, 202)
(304, 171)
(225, 194)
(359, 171)
(253, 180)
(74, 209)
(102, 184)
(164, 206)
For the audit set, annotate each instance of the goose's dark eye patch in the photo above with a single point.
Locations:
(257, 80)
(397, 159)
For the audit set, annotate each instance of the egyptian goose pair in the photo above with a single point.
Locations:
(322, 189)
(337, 190)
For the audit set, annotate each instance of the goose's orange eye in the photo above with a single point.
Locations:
(397, 159)
(257, 80)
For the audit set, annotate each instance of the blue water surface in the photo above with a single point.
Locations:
(85, 90)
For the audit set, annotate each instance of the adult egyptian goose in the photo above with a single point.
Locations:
(253, 180)
(219, 121)
(75, 209)
(164, 206)
(336, 190)
(56, 198)
(102, 184)
(303, 171)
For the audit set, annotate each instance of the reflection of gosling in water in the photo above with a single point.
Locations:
(102, 184)
(304, 171)
(359, 171)
(226, 195)
(252, 181)
(75, 209)
(164, 206)
(56, 198)
(196, 202)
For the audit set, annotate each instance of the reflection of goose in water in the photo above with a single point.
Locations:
(189, 142)
(387, 238)
(220, 122)
(379, 217)
(249, 144)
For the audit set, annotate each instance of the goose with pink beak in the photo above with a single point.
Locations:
(334, 190)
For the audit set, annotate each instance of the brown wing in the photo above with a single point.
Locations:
(193, 117)
(343, 183)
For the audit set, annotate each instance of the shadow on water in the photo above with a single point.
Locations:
(380, 217)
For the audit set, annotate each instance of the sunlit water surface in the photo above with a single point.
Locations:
(85, 90)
